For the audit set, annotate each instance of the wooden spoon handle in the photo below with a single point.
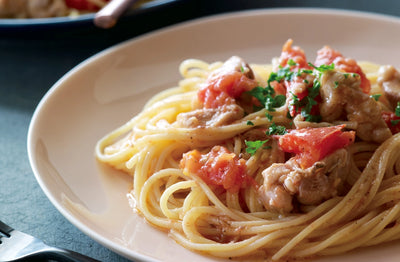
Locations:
(107, 17)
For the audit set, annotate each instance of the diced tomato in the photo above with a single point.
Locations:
(219, 167)
(294, 53)
(297, 55)
(81, 5)
(313, 144)
(223, 88)
(279, 88)
(327, 56)
(392, 121)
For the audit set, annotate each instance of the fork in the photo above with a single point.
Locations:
(16, 245)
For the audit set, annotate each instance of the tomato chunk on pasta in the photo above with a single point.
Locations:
(219, 168)
(313, 144)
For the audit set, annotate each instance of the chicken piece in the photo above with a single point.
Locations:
(341, 96)
(237, 64)
(327, 56)
(286, 182)
(389, 81)
(273, 194)
(208, 117)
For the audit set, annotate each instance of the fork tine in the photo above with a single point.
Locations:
(21, 246)
(5, 229)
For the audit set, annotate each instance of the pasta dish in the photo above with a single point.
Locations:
(285, 160)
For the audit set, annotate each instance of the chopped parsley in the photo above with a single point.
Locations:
(376, 96)
(261, 93)
(288, 116)
(397, 113)
(322, 68)
(306, 104)
(266, 95)
(253, 146)
(394, 122)
(295, 98)
(397, 110)
(336, 84)
(277, 101)
(267, 98)
(249, 123)
(270, 101)
(291, 62)
(276, 130)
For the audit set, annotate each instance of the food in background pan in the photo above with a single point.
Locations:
(48, 8)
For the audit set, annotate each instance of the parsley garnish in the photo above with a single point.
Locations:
(306, 104)
(397, 113)
(260, 93)
(253, 146)
(295, 98)
(266, 96)
(314, 90)
(376, 96)
(394, 122)
(322, 68)
(276, 130)
(249, 123)
(397, 110)
(291, 62)
(288, 116)
(273, 102)
(336, 84)
(282, 73)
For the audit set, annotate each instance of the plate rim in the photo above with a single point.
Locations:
(119, 249)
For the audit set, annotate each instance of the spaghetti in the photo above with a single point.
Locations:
(279, 161)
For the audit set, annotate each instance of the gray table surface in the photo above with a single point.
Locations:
(33, 59)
